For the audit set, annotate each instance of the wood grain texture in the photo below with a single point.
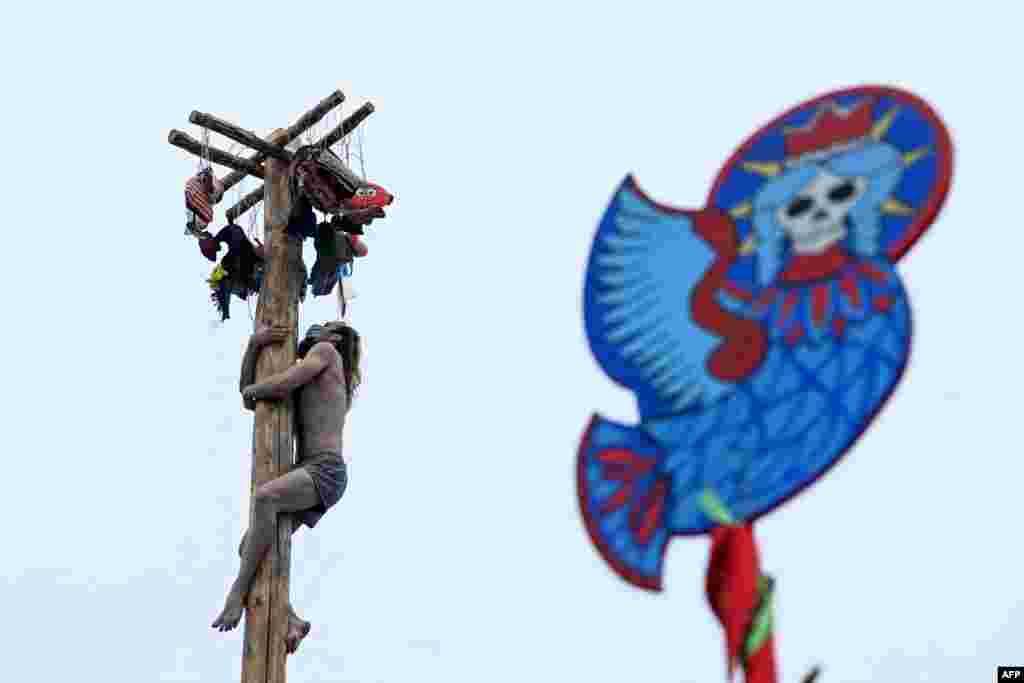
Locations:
(266, 618)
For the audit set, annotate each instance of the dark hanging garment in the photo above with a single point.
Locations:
(302, 221)
(240, 262)
(333, 250)
(323, 178)
(351, 225)
(209, 247)
(238, 273)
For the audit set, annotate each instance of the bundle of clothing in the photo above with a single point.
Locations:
(202, 192)
(320, 180)
(322, 177)
(240, 272)
(336, 241)
(317, 179)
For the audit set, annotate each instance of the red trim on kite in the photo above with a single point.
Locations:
(804, 267)
(792, 298)
(926, 213)
(617, 499)
(848, 285)
(744, 343)
(651, 583)
(872, 272)
(644, 518)
(737, 292)
(819, 304)
(765, 299)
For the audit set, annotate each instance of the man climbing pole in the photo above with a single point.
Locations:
(323, 381)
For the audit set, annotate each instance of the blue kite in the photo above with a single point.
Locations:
(760, 335)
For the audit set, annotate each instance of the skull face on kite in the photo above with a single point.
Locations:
(816, 218)
(762, 333)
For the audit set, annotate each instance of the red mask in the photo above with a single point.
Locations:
(369, 196)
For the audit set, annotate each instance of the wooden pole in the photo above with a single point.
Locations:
(267, 605)
(266, 617)
(305, 122)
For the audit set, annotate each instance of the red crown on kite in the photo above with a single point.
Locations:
(831, 126)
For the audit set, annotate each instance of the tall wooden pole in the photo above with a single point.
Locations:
(266, 617)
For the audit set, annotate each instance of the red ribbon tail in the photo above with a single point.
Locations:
(734, 591)
(760, 666)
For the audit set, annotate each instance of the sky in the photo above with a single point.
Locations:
(457, 554)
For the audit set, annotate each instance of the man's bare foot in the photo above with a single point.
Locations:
(231, 614)
(297, 630)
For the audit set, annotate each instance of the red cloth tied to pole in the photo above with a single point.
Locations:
(741, 598)
(760, 666)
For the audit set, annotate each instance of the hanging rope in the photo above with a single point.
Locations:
(239, 193)
(254, 217)
(362, 160)
(204, 160)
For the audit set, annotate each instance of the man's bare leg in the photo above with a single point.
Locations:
(298, 628)
(296, 524)
(289, 493)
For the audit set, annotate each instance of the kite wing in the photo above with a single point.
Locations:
(645, 264)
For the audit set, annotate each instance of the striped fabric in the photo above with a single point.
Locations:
(197, 200)
(198, 197)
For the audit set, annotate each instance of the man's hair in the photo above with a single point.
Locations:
(348, 347)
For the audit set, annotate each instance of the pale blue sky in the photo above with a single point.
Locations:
(457, 555)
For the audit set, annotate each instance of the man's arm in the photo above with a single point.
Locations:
(281, 385)
(263, 336)
(248, 374)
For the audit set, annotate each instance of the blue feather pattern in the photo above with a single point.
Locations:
(757, 442)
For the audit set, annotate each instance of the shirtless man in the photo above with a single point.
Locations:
(323, 380)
